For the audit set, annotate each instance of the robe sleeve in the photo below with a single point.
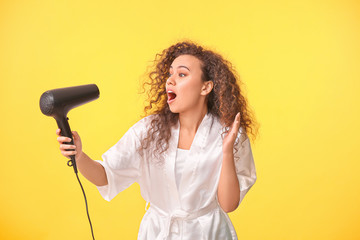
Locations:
(244, 164)
(122, 164)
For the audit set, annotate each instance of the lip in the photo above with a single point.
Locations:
(170, 91)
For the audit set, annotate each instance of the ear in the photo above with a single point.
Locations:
(207, 87)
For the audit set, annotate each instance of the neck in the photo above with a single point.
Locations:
(191, 121)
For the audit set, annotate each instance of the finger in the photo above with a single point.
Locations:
(58, 131)
(237, 119)
(68, 153)
(75, 134)
(62, 139)
(67, 146)
(236, 124)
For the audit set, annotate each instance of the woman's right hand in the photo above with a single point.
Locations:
(75, 149)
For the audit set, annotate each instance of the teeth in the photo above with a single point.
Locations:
(170, 91)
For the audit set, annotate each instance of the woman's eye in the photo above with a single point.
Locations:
(180, 74)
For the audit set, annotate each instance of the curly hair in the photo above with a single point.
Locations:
(224, 101)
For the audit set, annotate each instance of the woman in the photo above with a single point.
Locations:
(191, 154)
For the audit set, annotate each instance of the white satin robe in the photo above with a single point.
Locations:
(192, 211)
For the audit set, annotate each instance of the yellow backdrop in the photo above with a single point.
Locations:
(300, 62)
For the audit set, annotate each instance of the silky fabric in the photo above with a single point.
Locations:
(192, 210)
(180, 160)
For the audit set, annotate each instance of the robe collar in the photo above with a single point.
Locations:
(197, 146)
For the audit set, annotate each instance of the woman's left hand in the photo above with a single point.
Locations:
(229, 188)
(229, 140)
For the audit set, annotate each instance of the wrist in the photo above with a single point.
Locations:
(79, 156)
(227, 150)
(228, 154)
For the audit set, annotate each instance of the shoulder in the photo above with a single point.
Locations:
(144, 122)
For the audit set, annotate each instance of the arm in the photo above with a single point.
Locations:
(229, 189)
(90, 169)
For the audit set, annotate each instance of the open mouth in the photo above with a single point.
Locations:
(171, 95)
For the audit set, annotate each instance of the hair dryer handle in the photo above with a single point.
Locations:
(64, 126)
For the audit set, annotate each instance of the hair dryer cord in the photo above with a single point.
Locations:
(87, 210)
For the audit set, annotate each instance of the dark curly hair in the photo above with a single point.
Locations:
(224, 101)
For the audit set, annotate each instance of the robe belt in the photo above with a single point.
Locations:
(180, 214)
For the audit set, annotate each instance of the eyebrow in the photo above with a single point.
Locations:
(181, 67)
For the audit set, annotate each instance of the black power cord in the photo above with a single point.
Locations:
(87, 210)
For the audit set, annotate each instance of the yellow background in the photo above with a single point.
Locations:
(300, 61)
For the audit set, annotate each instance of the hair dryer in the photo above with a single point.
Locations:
(58, 102)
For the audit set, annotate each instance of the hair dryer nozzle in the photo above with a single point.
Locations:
(58, 102)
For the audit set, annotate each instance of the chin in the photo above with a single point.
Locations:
(173, 110)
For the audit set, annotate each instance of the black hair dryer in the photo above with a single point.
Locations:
(58, 102)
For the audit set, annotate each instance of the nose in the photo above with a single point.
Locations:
(170, 80)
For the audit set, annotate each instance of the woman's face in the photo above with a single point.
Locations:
(185, 88)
